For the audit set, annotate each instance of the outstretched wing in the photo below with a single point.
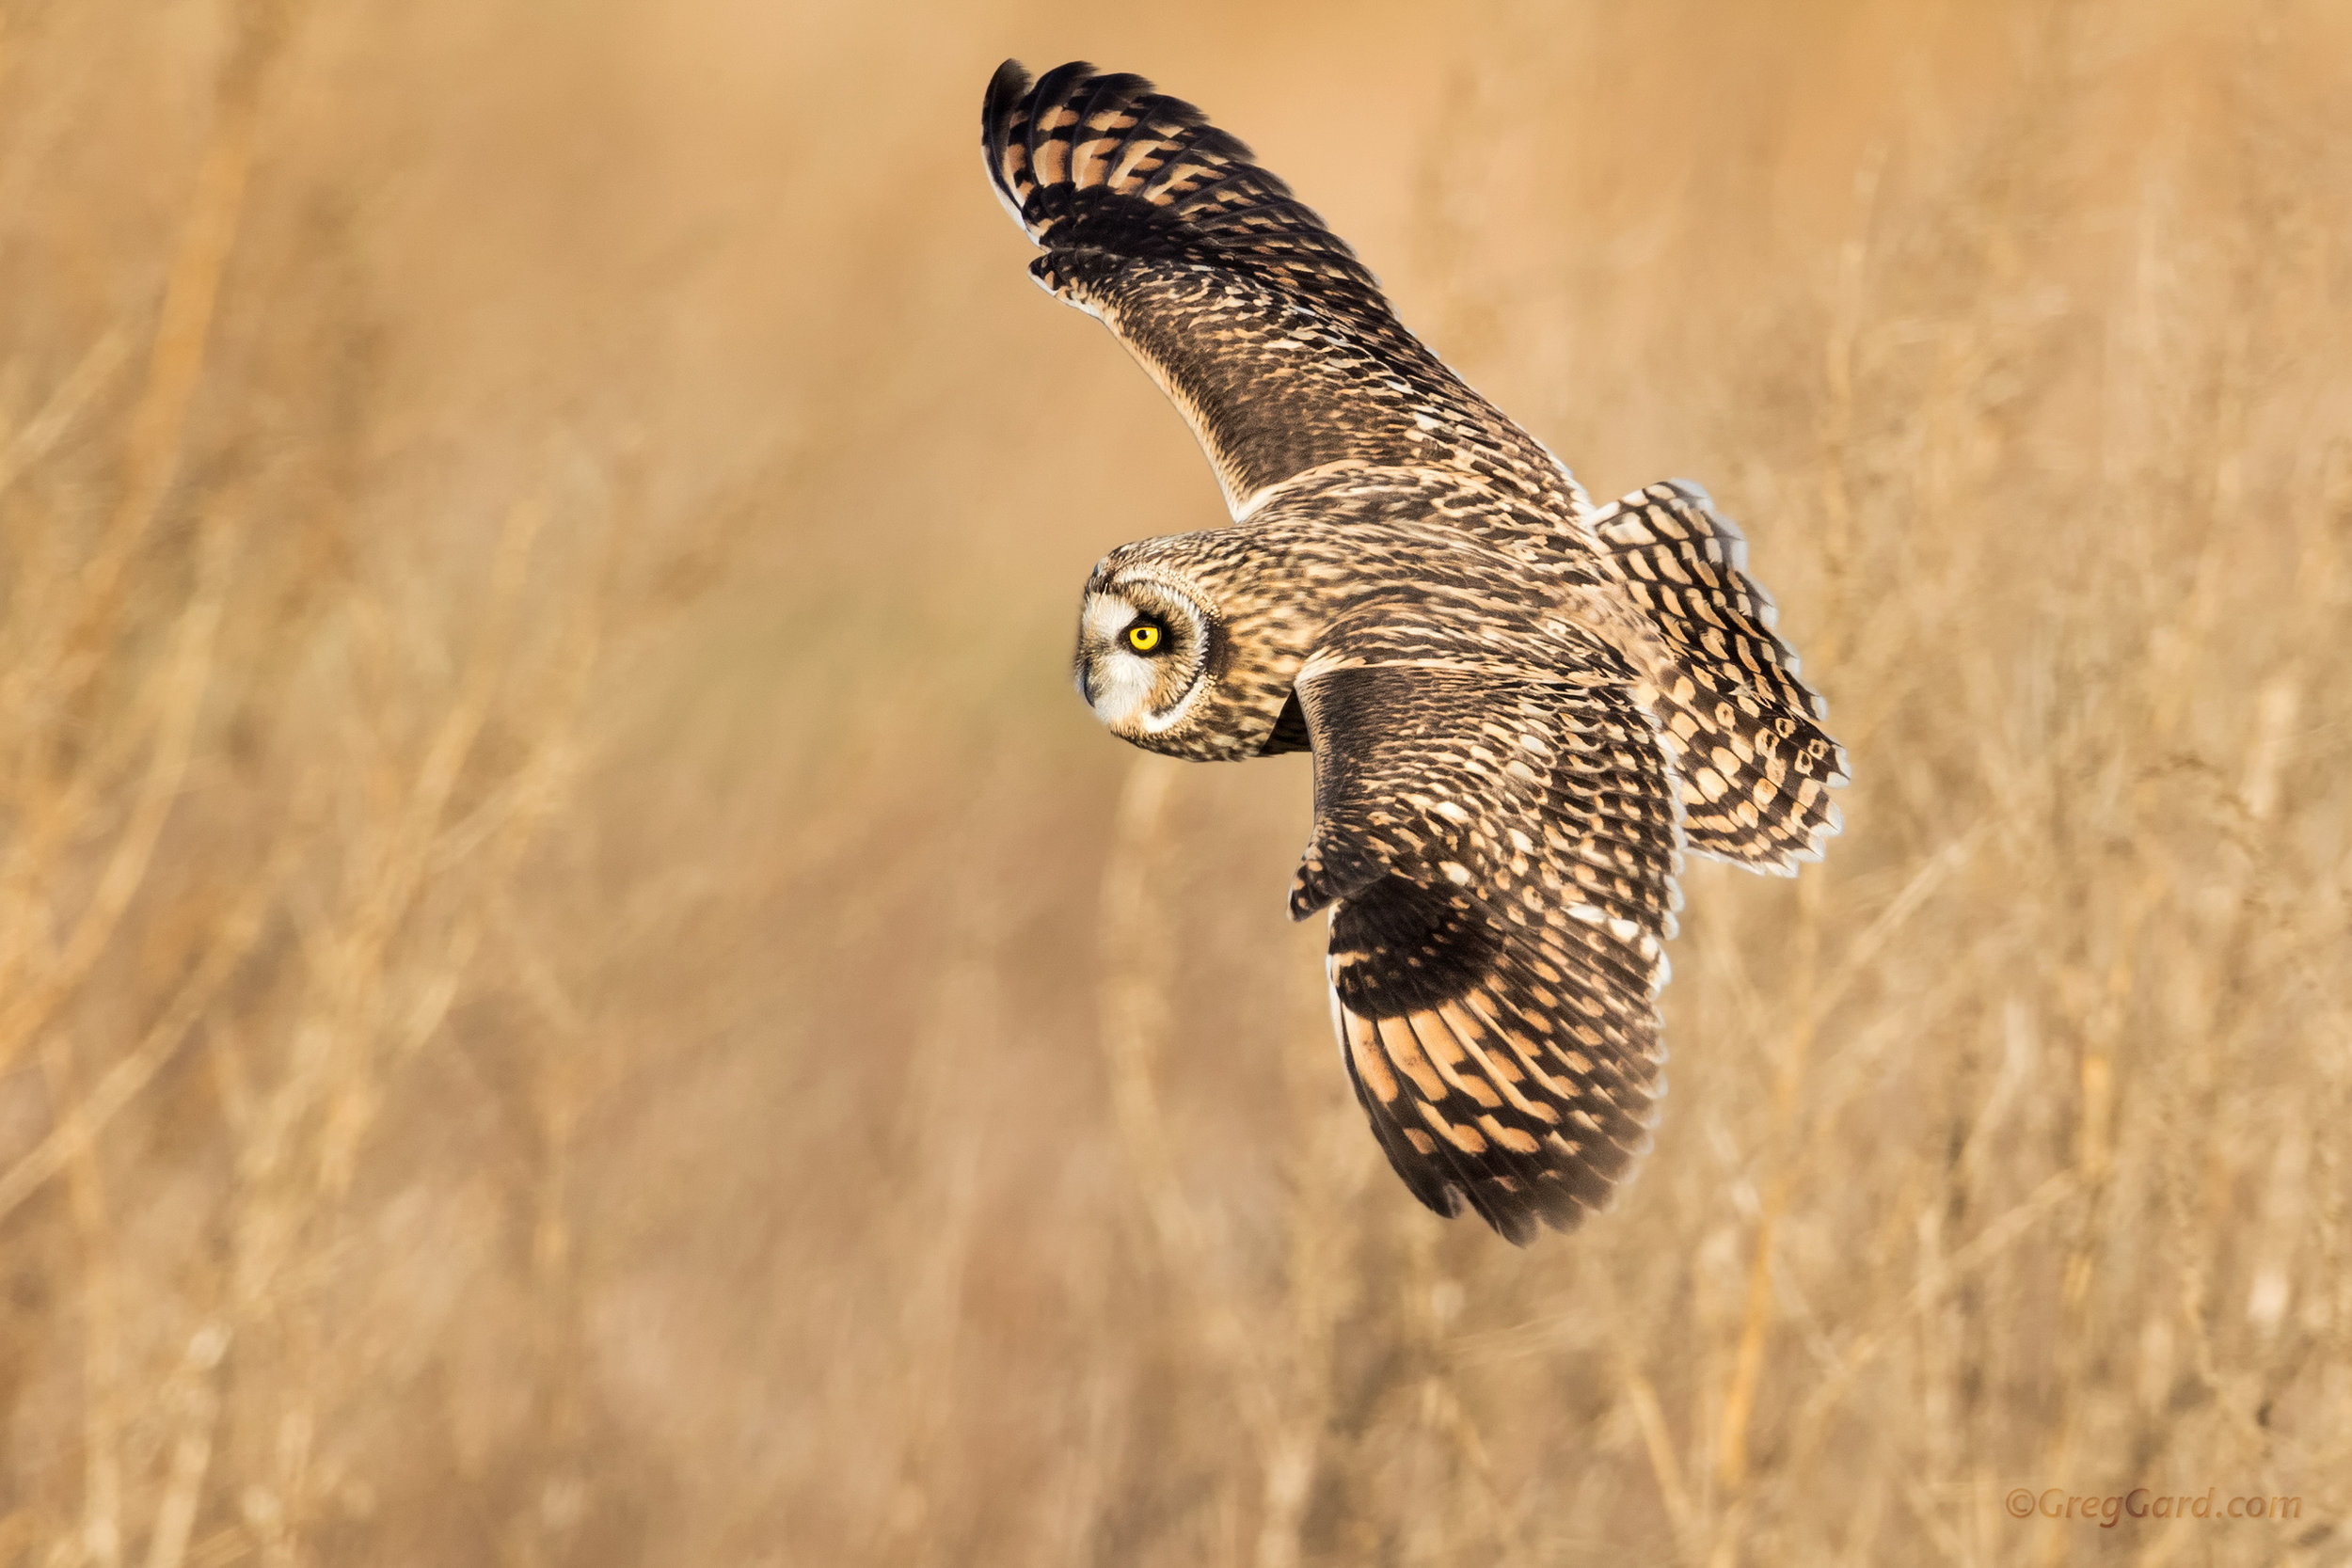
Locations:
(1755, 761)
(1499, 855)
(1258, 322)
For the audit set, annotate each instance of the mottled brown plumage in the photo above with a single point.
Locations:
(1522, 707)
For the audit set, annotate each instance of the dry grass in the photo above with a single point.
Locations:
(575, 988)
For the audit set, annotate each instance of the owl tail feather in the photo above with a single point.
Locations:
(1753, 762)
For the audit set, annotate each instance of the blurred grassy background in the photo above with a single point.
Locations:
(575, 987)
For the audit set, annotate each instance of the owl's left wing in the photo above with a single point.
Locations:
(1260, 323)
(1499, 855)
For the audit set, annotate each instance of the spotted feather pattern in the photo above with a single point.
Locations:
(1260, 323)
(1754, 764)
(1522, 709)
(1498, 857)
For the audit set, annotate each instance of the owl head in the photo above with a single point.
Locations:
(1173, 660)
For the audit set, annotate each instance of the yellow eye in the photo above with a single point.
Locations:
(1143, 637)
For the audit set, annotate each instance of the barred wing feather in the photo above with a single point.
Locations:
(1261, 324)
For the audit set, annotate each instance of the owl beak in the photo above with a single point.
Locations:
(1084, 674)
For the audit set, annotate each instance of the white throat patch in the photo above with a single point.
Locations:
(1125, 682)
(1122, 681)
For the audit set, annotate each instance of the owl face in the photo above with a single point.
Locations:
(1147, 647)
(1188, 644)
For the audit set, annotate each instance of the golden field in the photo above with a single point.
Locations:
(576, 989)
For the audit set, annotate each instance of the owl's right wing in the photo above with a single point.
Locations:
(1259, 323)
(1499, 856)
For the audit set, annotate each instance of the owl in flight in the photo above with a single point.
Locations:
(1523, 707)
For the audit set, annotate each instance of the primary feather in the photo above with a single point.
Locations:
(1258, 321)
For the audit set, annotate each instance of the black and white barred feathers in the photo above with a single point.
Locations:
(1523, 708)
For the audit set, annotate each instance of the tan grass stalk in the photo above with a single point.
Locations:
(155, 437)
(1135, 1003)
(178, 693)
(121, 1083)
(194, 1403)
(104, 1406)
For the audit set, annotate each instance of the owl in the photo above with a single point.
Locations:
(1523, 708)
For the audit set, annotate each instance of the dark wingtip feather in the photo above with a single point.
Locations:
(1008, 86)
(1099, 162)
(998, 110)
(1001, 112)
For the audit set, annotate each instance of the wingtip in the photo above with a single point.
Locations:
(1053, 89)
(1520, 1229)
(1004, 92)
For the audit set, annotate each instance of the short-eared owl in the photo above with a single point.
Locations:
(1523, 707)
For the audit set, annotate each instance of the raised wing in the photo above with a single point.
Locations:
(1499, 856)
(1258, 322)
